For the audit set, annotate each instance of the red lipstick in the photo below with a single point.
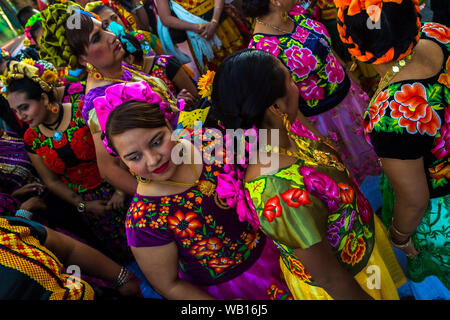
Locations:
(162, 168)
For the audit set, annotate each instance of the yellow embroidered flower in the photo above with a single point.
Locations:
(154, 225)
(219, 229)
(205, 84)
(142, 222)
(188, 205)
(164, 209)
(209, 219)
(198, 237)
(177, 198)
(28, 61)
(226, 240)
(162, 219)
(186, 242)
(151, 206)
(165, 200)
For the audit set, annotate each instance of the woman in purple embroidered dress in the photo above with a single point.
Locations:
(188, 242)
(328, 98)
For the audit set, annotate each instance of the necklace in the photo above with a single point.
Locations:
(194, 171)
(275, 27)
(57, 135)
(395, 69)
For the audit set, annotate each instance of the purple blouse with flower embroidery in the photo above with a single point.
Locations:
(213, 245)
(320, 78)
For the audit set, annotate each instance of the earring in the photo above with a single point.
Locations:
(139, 178)
(286, 122)
(93, 71)
(53, 108)
(284, 16)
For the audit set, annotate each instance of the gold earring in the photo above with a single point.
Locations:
(93, 71)
(284, 16)
(139, 178)
(53, 107)
(286, 122)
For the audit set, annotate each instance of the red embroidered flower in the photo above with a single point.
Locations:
(274, 292)
(220, 264)
(353, 250)
(206, 247)
(58, 144)
(272, 208)
(413, 112)
(346, 193)
(252, 240)
(82, 144)
(437, 31)
(184, 225)
(296, 197)
(376, 111)
(137, 209)
(298, 269)
(29, 136)
(441, 171)
(85, 174)
(51, 159)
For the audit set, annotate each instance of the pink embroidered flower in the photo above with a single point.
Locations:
(309, 90)
(139, 37)
(317, 27)
(270, 45)
(75, 88)
(300, 34)
(441, 147)
(364, 208)
(297, 10)
(321, 186)
(300, 61)
(299, 129)
(334, 70)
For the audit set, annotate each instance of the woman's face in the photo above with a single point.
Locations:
(37, 36)
(287, 5)
(147, 152)
(289, 103)
(104, 48)
(108, 15)
(32, 112)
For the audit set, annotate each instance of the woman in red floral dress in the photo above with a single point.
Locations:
(62, 150)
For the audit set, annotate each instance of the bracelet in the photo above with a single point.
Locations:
(139, 6)
(214, 21)
(123, 277)
(24, 214)
(120, 192)
(401, 234)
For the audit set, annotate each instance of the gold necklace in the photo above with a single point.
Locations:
(395, 69)
(194, 171)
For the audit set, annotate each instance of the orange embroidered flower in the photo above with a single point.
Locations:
(198, 237)
(209, 219)
(184, 225)
(186, 242)
(437, 31)
(162, 220)
(376, 111)
(346, 193)
(252, 240)
(413, 112)
(219, 229)
(188, 205)
(138, 209)
(198, 200)
(238, 258)
(190, 194)
(444, 78)
(273, 291)
(164, 209)
(208, 168)
(154, 225)
(226, 240)
(151, 206)
(440, 172)
(165, 200)
(353, 250)
(142, 222)
(177, 198)
(298, 269)
(128, 224)
(206, 247)
(220, 264)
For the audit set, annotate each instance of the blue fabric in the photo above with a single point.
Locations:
(119, 32)
(371, 189)
(146, 289)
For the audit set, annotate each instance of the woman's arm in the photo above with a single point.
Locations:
(110, 168)
(183, 81)
(140, 14)
(321, 263)
(90, 261)
(160, 267)
(173, 22)
(210, 28)
(409, 182)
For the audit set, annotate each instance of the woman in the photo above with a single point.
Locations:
(100, 51)
(332, 103)
(33, 29)
(186, 240)
(211, 31)
(410, 138)
(61, 149)
(309, 205)
(32, 265)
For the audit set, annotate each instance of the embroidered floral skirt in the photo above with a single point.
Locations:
(432, 237)
(344, 126)
(380, 278)
(261, 281)
(109, 229)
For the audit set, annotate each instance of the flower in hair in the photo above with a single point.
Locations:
(205, 84)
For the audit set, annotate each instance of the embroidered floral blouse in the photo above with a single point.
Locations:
(306, 52)
(213, 245)
(411, 119)
(73, 157)
(312, 199)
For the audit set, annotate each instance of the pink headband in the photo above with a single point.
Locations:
(118, 94)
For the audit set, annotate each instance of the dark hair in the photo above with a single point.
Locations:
(31, 88)
(246, 84)
(131, 115)
(78, 38)
(398, 29)
(24, 14)
(100, 8)
(34, 28)
(139, 53)
(256, 8)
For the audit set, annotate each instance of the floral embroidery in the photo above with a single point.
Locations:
(321, 186)
(437, 31)
(300, 34)
(184, 225)
(441, 147)
(269, 44)
(298, 269)
(334, 70)
(309, 90)
(376, 110)
(272, 208)
(354, 249)
(300, 60)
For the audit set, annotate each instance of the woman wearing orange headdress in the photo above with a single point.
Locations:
(408, 125)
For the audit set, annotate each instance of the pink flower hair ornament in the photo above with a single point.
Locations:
(118, 94)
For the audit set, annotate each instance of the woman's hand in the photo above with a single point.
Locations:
(98, 207)
(35, 189)
(131, 288)
(187, 97)
(403, 243)
(117, 201)
(209, 31)
(34, 204)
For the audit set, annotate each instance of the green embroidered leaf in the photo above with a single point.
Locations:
(256, 189)
(312, 103)
(343, 242)
(242, 249)
(393, 88)
(333, 87)
(437, 107)
(434, 94)
(333, 217)
(291, 174)
(247, 254)
(367, 232)
(447, 95)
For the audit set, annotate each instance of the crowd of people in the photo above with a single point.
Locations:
(120, 153)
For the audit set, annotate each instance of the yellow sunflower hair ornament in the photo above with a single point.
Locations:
(205, 84)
